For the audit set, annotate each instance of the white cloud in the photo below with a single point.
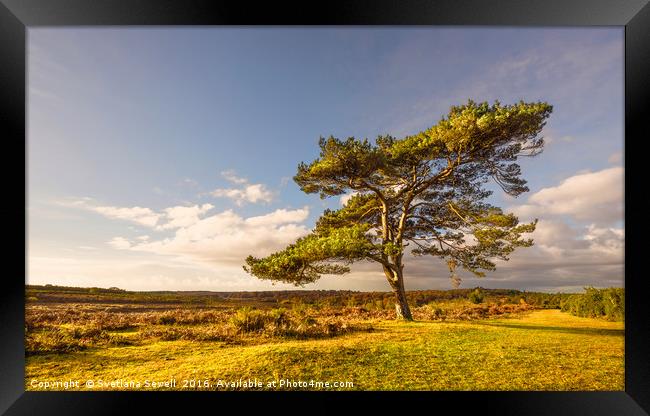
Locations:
(139, 215)
(226, 238)
(248, 192)
(184, 216)
(203, 251)
(561, 243)
(231, 176)
(280, 216)
(169, 218)
(557, 235)
(606, 240)
(593, 196)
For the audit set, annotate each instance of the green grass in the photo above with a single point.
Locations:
(540, 350)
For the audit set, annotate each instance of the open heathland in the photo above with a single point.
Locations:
(464, 339)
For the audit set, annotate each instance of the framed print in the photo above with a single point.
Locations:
(390, 203)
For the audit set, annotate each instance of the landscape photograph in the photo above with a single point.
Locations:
(325, 209)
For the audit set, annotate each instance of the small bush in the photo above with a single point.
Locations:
(249, 320)
(167, 319)
(62, 340)
(279, 318)
(476, 296)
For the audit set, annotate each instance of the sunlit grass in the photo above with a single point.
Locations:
(541, 350)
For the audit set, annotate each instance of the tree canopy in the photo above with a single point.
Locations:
(426, 192)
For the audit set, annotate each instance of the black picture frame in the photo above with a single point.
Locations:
(16, 16)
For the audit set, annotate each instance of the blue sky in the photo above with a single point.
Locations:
(158, 158)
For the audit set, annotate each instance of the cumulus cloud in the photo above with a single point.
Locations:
(279, 216)
(231, 176)
(221, 240)
(226, 238)
(246, 192)
(138, 215)
(560, 243)
(250, 193)
(606, 240)
(592, 196)
(169, 218)
(184, 216)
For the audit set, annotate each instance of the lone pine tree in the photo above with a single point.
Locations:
(425, 192)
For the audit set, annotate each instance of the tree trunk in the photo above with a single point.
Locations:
(401, 305)
(396, 281)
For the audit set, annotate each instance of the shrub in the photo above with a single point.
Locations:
(249, 320)
(476, 296)
(167, 319)
(279, 318)
(62, 340)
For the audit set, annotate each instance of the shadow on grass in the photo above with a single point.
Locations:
(568, 330)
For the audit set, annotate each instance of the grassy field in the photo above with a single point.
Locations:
(453, 345)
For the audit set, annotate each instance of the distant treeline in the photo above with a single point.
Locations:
(606, 303)
(597, 303)
(331, 297)
(238, 294)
